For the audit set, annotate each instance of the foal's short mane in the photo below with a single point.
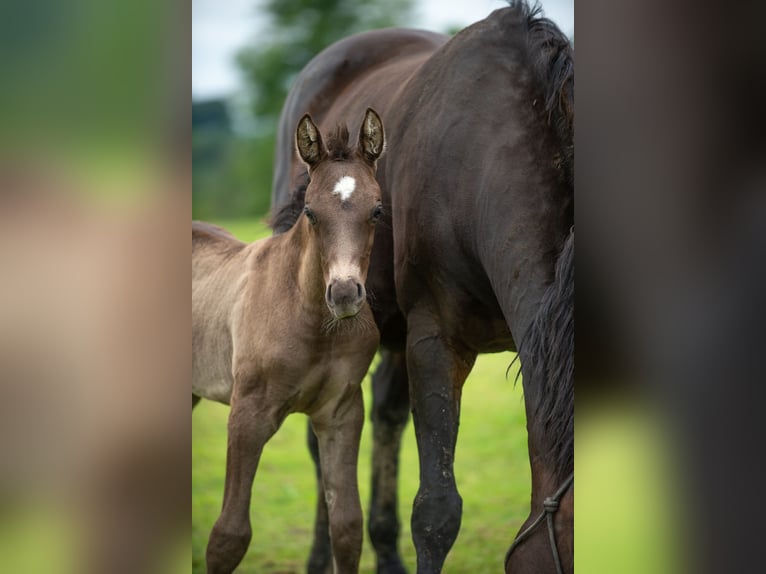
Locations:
(338, 149)
(337, 145)
(288, 213)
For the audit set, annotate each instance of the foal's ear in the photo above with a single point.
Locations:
(308, 140)
(372, 139)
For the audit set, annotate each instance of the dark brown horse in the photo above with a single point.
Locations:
(282, 326)
(474, 255)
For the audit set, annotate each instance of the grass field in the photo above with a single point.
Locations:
(491, 469)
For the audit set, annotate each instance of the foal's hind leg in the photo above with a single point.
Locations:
(250, 427)
(338, 427)
(390, 411)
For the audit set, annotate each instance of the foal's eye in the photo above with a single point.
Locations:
(310, 215)
(376, 213)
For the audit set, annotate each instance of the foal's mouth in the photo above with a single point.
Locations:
(340, 313)
(347, 321)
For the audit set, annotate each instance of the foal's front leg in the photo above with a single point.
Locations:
(250, 427)
(390, 412)
(338, 427)
(320, 559)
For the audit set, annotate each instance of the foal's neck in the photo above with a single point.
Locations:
(307, 270)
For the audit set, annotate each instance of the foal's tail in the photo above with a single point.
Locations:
(549, 352)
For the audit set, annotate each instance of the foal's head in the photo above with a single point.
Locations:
(343, 204)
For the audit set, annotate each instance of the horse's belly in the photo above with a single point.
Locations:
(482, 330)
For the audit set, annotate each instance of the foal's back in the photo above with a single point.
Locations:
(211, 246)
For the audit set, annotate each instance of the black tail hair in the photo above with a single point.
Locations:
(548, 350)
(552, 61)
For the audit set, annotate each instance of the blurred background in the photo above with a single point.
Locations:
(94, 214)
(245, 54)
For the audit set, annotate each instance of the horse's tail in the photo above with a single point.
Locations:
(549, 351)
(551, 58)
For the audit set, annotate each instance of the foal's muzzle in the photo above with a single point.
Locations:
(345, 297)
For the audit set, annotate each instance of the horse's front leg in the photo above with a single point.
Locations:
(437, 370)
(250, 427)
(338, 427)
(390, 411)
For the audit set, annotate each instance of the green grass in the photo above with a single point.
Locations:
(491, 468)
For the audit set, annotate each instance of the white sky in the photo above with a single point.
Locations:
(221, 27)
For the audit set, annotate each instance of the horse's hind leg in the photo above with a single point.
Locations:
(390, 411)
(338, 426)
(250, 427)
(320, 559)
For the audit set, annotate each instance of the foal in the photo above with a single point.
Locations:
(282, 326)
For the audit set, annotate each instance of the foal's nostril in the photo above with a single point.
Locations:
(328, 295)
(359, 290)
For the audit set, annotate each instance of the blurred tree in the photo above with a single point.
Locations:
(296, 31)
(233, 156)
